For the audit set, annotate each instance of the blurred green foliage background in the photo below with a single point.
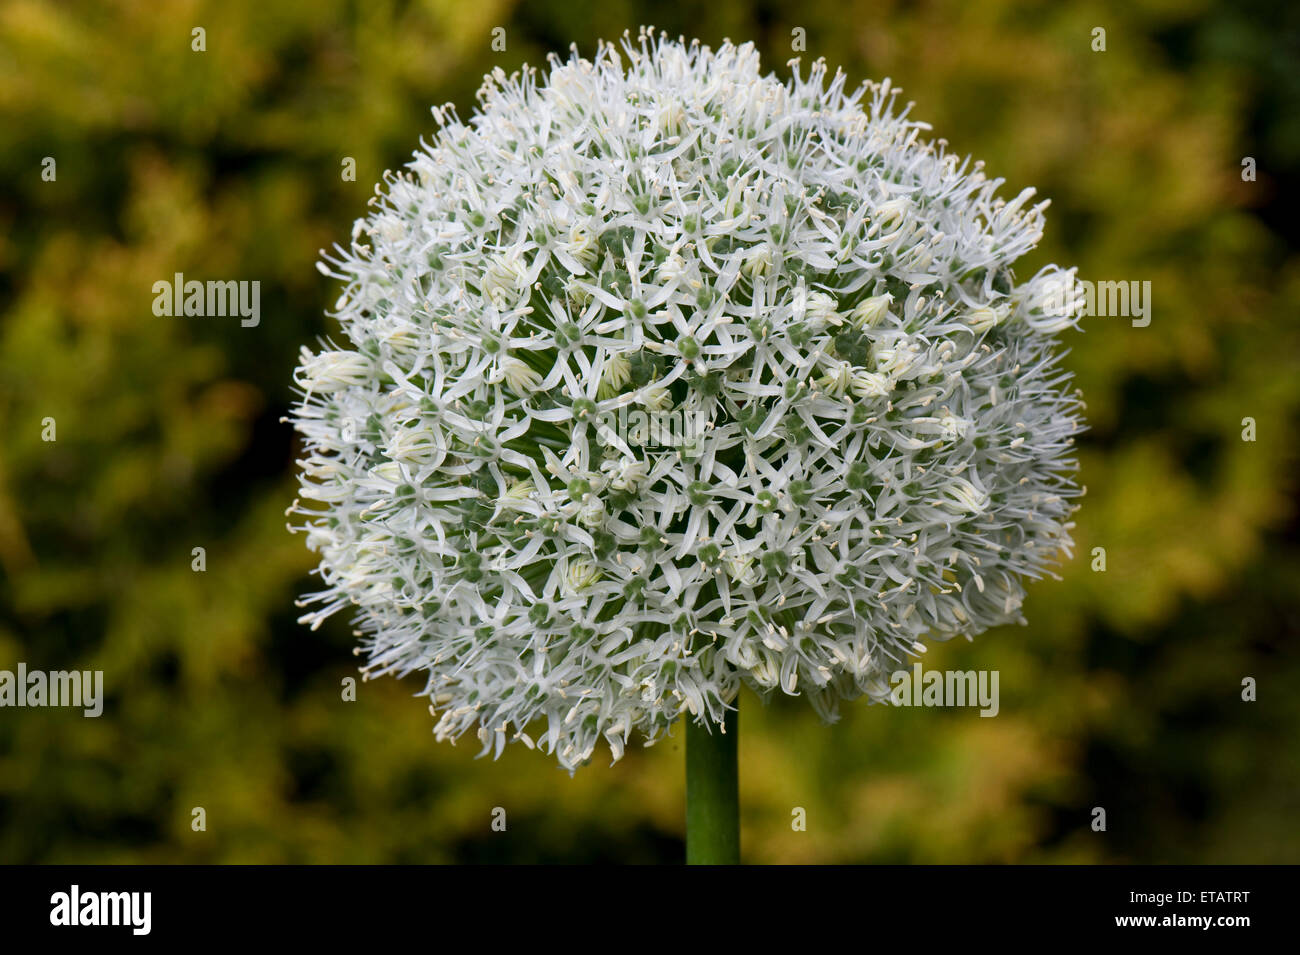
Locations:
(1124, 692)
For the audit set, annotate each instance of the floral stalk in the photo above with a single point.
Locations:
(712, 793)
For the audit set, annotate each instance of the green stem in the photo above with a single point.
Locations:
(712, 794)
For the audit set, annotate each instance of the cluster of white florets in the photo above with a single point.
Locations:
(883, 439)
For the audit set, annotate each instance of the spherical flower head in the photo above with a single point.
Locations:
(662, 376)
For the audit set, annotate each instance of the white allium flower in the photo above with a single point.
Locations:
(886, 439)
(869, 384)
(616, 374)
(656, 399)
(871, 311)
(519, 376)
(822, 309)
(984, 318)
(333, 370)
